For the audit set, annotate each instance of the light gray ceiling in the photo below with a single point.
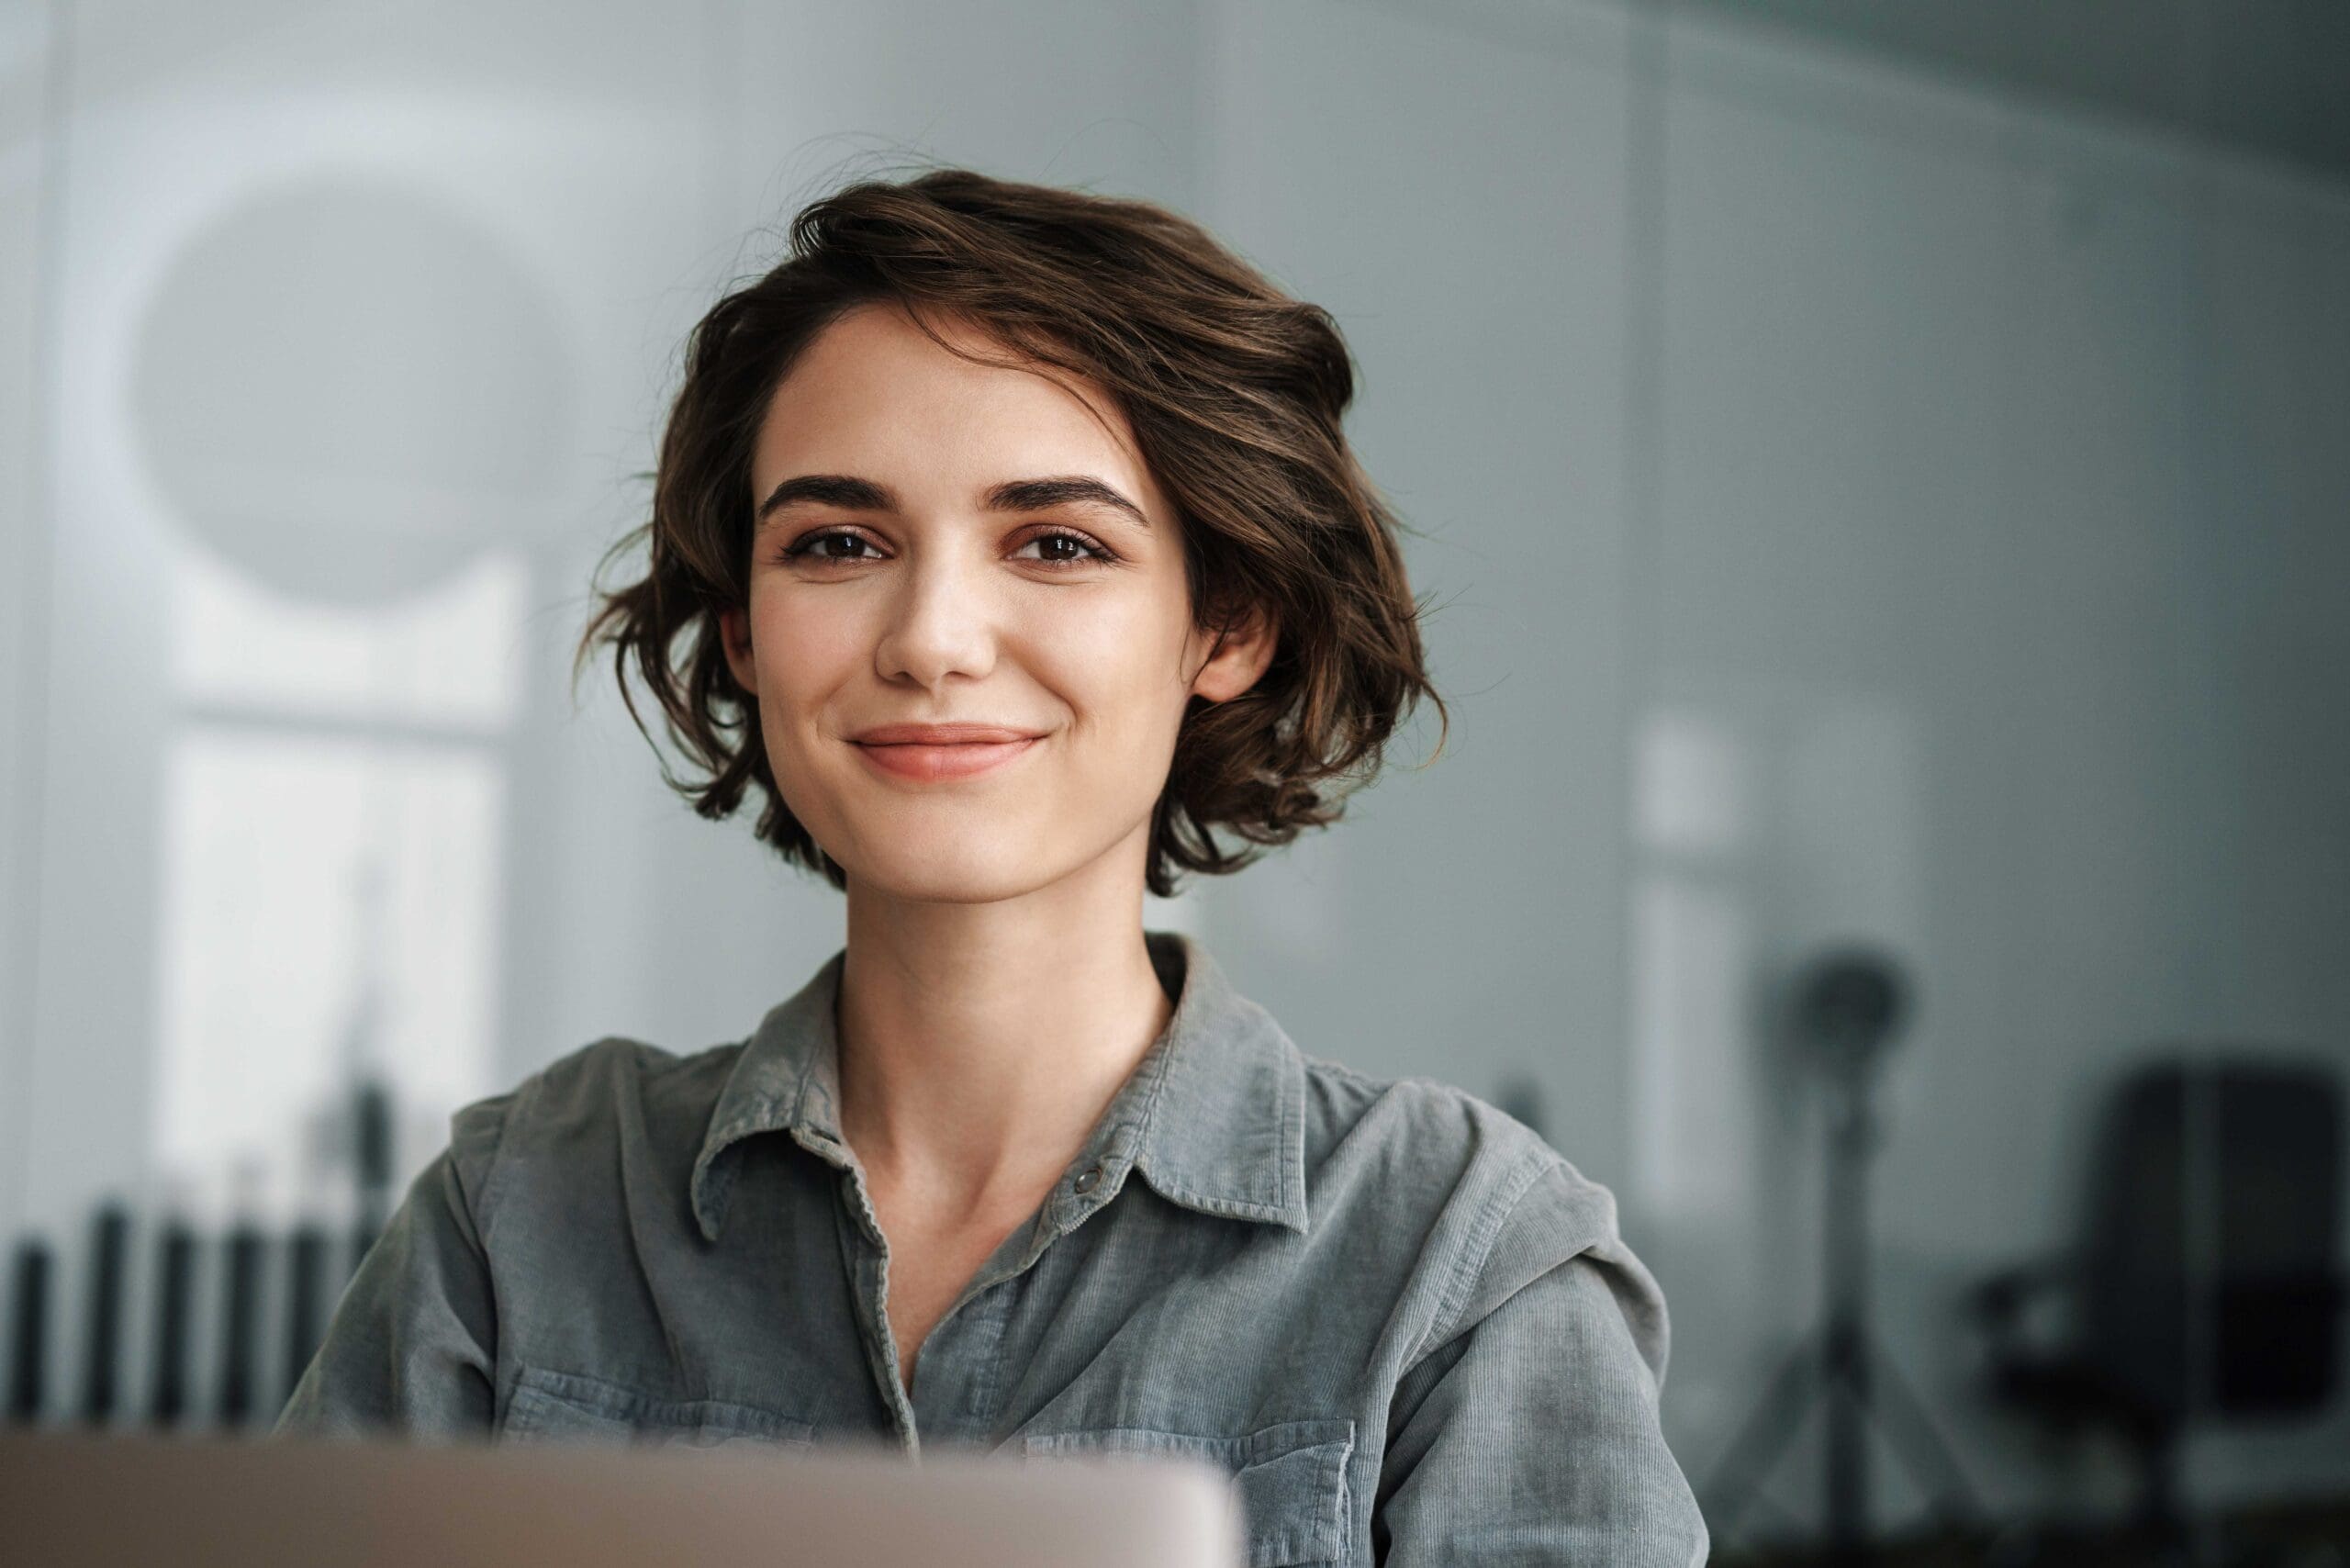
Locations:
(2271, 76)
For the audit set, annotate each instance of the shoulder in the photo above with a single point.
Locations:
(587, 1088)
(1417, 1138)
(1484, 1198)
(581, 1112)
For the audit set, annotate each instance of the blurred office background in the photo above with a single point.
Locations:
(1883, 475)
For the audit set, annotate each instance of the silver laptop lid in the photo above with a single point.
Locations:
(70, 1500)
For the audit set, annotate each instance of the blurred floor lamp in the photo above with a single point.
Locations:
(1846, 1006)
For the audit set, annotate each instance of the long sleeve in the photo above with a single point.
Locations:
(411, 1349)
(1529, 1434)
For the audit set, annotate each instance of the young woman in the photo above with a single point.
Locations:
(1006, 545)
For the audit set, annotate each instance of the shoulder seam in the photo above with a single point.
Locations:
(511, 1104)
(1340, 1069)
(1368, 1084)
(619, 1044)
(1479, 1251)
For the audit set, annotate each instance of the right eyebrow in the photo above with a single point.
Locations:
(841, 491)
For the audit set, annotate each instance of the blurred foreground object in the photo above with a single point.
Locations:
(75, 1500)
(2207, 1284)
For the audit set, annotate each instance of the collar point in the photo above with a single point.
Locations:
(707, 1198)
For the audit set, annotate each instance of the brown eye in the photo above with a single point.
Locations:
(1059, 536)
(808, 546)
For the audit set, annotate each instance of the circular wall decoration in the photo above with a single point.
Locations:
(349, 391)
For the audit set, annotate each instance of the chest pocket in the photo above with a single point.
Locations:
(552, 1406)
(1291, 1479)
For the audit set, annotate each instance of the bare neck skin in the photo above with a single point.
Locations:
(980, 1044)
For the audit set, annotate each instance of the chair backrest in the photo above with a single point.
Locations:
(2214, 1278)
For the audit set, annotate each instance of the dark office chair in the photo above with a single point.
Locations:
(2209, 1283)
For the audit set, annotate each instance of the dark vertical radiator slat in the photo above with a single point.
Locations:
(102, 1351)
(175, 1301)
(29, 1337)
(306, 1262)
(239, 1324)
(372, 1164)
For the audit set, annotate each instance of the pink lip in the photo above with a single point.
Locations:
(929, 763)
(959, 732)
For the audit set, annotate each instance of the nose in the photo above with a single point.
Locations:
(943, 620)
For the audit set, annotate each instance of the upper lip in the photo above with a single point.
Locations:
(940, 734)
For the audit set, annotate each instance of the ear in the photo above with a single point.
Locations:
(1238, 657)
(734, 635)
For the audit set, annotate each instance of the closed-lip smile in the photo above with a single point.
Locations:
(940, 734)
(935, 753)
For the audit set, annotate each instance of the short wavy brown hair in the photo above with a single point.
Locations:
(1235, 393)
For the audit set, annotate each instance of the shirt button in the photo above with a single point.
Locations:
(1089, 1179)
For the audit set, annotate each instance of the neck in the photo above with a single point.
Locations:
(981, 1042)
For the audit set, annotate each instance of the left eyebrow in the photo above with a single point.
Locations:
(1013, 495)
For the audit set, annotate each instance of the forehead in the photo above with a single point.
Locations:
(875, 396)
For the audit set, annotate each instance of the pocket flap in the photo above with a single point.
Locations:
(565, 1407)
(1291, 1478)
(1295, 1501)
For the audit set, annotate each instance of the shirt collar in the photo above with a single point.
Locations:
(1214, 1116)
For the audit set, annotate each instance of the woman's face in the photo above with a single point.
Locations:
(899, 576)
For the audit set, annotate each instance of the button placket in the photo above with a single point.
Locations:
(961, 1362)
(869, 1277)
(992, 1313)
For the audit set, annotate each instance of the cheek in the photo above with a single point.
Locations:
(1121, 676)
(802, 650)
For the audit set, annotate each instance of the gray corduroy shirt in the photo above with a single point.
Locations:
(1404, 1323)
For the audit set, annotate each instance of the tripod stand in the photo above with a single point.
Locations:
(1847, 1008)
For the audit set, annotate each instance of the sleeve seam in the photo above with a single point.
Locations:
(482, 1201)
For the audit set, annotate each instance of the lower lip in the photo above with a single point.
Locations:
(928, 762)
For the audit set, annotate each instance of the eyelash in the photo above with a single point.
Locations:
(805, 546)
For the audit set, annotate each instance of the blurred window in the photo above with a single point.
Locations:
(334, 802)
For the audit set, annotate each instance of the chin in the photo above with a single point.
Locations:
(959, 873)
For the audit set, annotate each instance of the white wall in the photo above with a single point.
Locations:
(26, 144)
(1456, 201)
(1849, 503)
(1997, 544)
